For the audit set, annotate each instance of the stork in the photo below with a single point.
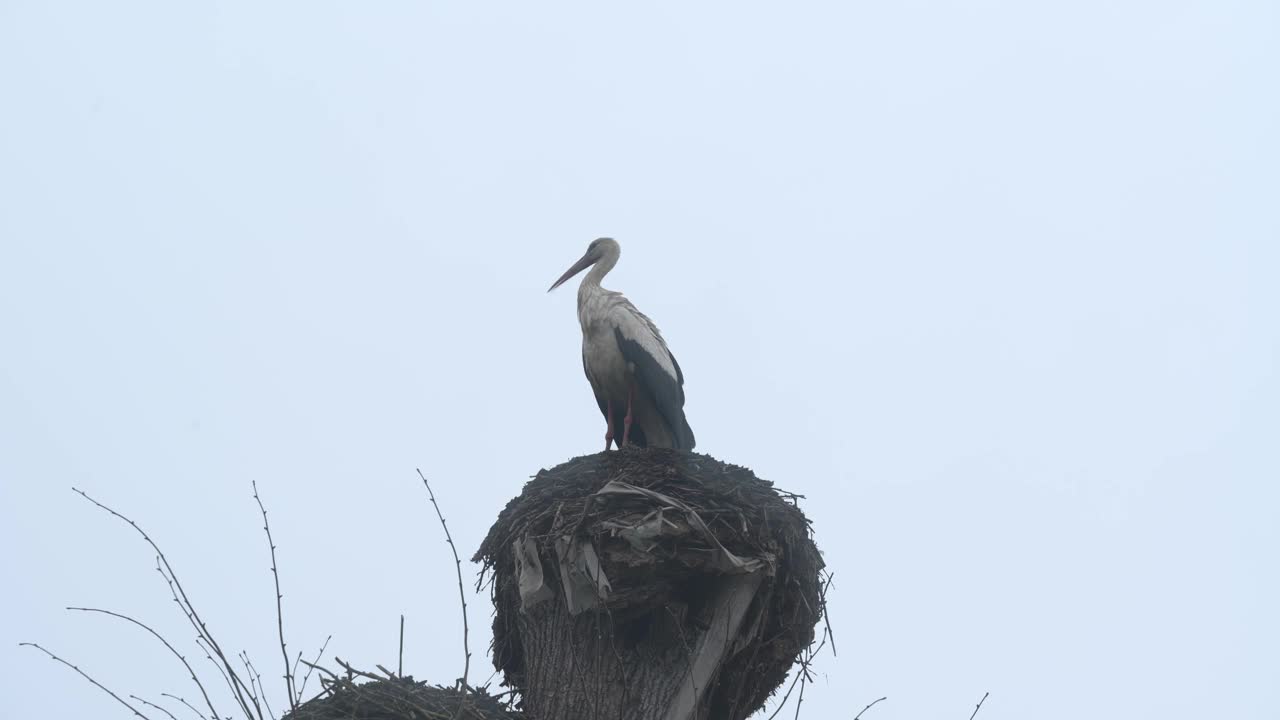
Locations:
(636, 380)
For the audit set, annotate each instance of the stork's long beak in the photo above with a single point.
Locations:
(585, 262)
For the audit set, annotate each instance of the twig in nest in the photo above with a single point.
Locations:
(979, 707)
(275, 573)
(868, 707)
(323, 670)
(85, 675)
(352, 671)
(158, 636)
(400, 666)
(462, 596)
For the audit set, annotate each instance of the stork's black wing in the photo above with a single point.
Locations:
(666, 390)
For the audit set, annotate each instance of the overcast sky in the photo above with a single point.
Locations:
(993, 284)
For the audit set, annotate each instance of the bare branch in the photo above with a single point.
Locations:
(785, 697)
(85, 675)
(296, 662)
(158, 636)
(255, 677)
(801, 675)
(275, 573)
(806, 669)
(868, 707)
(804, 680)
(979, 707)
(311, 666)
(462, 595)
(222, 670)
(400, 666)
(180, 597)
(826, 618)
(184, 702)
(151, 704)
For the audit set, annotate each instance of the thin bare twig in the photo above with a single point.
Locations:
(826, 618)
(184, 702)
(400, 666)
(158, 636)
(151, 704)
(803, 672)
(208, 654)
(232, 678)
(979, 707)
(785, 697)
(85, 675)
(234, 683)
(804, 680)
(311, 666)
(462, 595)
(296, 662)
(255, 676)
(868, 707)
(805, 676)
(180, 596)
(275, 573)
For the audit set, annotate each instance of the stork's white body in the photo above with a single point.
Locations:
(627, 362)
(604, 314)
(602, 359)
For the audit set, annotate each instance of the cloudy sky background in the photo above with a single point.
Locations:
(992, 283)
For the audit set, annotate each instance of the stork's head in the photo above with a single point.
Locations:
(598, 250)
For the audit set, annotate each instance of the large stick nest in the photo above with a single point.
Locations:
(658, 525)
(399, 698)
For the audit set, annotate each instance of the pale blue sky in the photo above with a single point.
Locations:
(992, 283)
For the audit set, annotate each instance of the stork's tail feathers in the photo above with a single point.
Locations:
(681, 437)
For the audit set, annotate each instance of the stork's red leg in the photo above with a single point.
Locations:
(608, 433)
(626, 421)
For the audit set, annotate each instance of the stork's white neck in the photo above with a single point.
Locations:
(602, 267)
(593, 300)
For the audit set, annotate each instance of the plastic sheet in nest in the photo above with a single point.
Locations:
(636, 532)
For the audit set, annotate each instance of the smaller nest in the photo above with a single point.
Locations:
(659, 526)
(399, 698)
